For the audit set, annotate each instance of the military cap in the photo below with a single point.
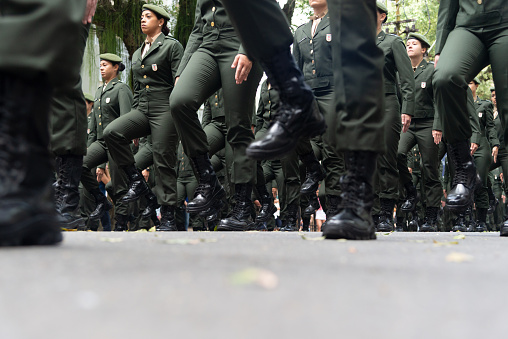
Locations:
(477, 80)
(156, 9)
(110, 57)
(425, 43)
(492, 89)
(89, 97)
(382, 7)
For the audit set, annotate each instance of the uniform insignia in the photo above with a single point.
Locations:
(108, 100)
(154, 67)
(424, 84)
(480, 114)
(328, 37)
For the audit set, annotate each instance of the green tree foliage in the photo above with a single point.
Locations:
(185, 20)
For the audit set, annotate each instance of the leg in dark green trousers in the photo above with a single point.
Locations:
(207, 71)
(464, 55)
(144, 157)
(216, 135)
(420, 133)
(120, 133)
(483, 159)
(87, 206)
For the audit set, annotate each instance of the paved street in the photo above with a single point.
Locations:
(256, 285)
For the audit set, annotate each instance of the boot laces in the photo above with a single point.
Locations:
(351, 194)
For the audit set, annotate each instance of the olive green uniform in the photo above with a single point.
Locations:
(153, 80)
(205, 68)
(470, 35)
(502, 155)
(483, 155)
(397, 62)
(110, 103)
(424, 121)
(186, 185)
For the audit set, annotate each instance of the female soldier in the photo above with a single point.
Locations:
(112, 100)
(211, 57)
(154, 67)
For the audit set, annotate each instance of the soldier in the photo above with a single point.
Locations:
(112, 100)
(154, 67)
(214, 58)
(398, 63)
(358, 120)
(470, 35)
(424, 131)
(28, 73)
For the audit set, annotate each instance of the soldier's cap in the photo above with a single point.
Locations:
(156, 9)
(477, 81)
(382, 7)
(113, 58)
(89, 97)
(423, 40)
(492, 89)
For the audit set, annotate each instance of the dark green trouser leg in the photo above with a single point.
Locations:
(185, 189)
(216, 136)
(68, 123)
(87, 206)
(463, 57)
(144, 157)
(483, 159)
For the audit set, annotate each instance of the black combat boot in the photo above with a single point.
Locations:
(209, 188)
(459, 224)
(411, 198)
(121, 223)
(313, 205)
(430, 223)
(239, 220)
(386, 216)
(504, 229)
(481, 223)
(314, 173)
(167, 223)
(400, 225)
(69, 176)
(298, 114)
(464, 180)
(137, 184)
(354, 220)
(102, 204)
(151, 204)
(493, 201)
(290, 222)
(267, 206)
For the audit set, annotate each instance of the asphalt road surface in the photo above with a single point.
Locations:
(256, 285)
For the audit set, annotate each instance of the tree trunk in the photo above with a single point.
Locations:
(185, 20)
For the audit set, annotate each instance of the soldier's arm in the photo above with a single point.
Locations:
(135, 89)
(438, 125)
(176, 56)
(259, 115)
(92, 135)
(195, 40)
(447, 14)
(207, 114)
(296, 52)
(491, 131)
(406, 74)
(125, 99)
(473, 119)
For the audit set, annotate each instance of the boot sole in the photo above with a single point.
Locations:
(270, 213)
(346, 230)
(99, 216)
(32, 232)
(124, 199)
(219, 195)
(73, 225)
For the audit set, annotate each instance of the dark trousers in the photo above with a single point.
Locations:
(483, 160)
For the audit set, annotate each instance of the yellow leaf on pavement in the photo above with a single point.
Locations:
(459, 257)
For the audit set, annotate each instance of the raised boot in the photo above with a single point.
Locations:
(121, 223)
(313, 205)
(209, 188)
(298, 114)
(291, 219)
(386, 217)
(167, 222)
(464, 180)
(430, 223)
(70, 175)
(314, 173)
(354, 220)
(411, 198)
(102, 204)
(137, 184)
(151, 204)
(267, 206)
(239, 220)
(481, 223)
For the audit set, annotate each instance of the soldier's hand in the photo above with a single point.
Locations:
(473, 148)
(437, 135)
(436, 59)
(410, 170)
(91, 5)
(243, 66)
(406, 121)
(136, 142)
(495, 150)
(146, 174)
(100, 174)
(176, 80)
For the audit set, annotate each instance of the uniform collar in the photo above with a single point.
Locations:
(381, 36)
(421, 67)
(155, 44)
(110, 84)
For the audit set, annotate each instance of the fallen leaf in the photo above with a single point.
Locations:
(111, 239)
(459, 237)
(387, 233)
(184, 241)
(417, 241)
(458, 257)
(444, 243)
(255, 276)
(352, 250)
(69, 229)
(312, 238)
(141, 231)
(342, 240)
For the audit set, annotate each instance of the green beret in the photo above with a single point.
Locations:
(110, 57)
(89, 97)
(477, 80)
(156, 9)
(382, 7)
(419, 37)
